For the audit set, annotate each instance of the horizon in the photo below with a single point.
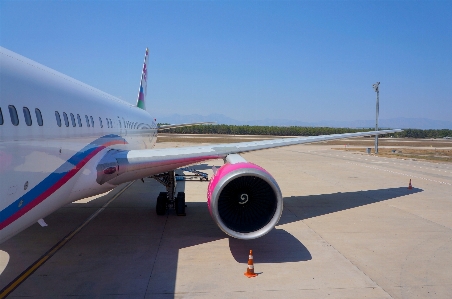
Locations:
(400, 123)
(298, 60)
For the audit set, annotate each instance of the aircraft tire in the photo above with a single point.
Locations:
(180, 204)
(160, 207)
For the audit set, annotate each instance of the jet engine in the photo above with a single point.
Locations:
(244, 199)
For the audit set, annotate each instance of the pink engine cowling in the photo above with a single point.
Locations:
(244, 200)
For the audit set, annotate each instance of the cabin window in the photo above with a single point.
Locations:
(92, 121)
(100, 121)
(66, 120)
(13, 115)
(72, 120)
(87, 121)
(1, 117)
(119, 120)
(39, 117)
(79, 120)
(27, 116)
(58, 118)
(108, 124)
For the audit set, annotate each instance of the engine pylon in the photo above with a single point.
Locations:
(250, 270)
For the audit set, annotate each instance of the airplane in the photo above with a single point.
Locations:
(62, 140)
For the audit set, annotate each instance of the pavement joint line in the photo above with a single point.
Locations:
(156, 254)
(428, 220)
(360, 270)
(35, 266)
(404, 174)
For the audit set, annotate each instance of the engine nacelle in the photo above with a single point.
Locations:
(244, 200)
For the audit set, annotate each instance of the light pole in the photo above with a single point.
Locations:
(377, 90)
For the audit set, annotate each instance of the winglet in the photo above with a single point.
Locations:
(143, 84)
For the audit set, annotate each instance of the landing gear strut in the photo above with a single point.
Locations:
(167, 200)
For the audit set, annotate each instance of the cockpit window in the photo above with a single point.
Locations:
(13, 115)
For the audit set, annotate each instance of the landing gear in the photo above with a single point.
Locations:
(160, 208)
(168, 200)
(180, 204)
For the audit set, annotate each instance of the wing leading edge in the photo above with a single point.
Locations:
(136, 164)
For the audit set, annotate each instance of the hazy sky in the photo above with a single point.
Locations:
(300, 60)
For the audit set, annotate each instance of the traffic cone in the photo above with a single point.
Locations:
(410, 186)
(250, 270)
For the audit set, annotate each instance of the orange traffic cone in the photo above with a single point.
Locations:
(250, 270)
(410, 186)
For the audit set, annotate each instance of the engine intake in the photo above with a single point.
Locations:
(244, 200)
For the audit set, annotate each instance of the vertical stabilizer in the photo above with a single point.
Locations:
(143, 84)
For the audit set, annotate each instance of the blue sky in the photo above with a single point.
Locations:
(299, 60)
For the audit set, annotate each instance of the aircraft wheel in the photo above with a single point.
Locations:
(180, 204)
(162, 199)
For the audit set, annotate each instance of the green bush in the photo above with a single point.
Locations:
(298, 131)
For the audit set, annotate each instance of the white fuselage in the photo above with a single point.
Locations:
(43, 167)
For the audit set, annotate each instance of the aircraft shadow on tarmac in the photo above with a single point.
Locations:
(278, 246)
(131, 240)
(322, 204)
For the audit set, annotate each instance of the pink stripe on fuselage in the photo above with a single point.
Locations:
(40, 198)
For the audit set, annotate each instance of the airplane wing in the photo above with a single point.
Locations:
(118, 167)
(167, 127)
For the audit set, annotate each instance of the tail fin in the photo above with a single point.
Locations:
(143, 84)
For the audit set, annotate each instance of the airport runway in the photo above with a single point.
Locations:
(350, 229)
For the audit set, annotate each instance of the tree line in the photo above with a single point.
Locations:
(299, 131)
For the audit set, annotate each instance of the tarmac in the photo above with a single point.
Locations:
(350, 229)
